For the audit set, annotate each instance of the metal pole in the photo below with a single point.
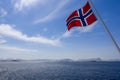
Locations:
(105, 27)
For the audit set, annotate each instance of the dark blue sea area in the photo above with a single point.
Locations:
(59, 70)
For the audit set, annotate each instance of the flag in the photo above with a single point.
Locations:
(81, 17)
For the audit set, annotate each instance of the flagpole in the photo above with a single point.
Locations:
(105, 27)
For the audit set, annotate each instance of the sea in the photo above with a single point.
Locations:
(60, 70)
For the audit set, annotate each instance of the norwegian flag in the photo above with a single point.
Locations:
(81, 17)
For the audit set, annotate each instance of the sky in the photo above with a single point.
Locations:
(36, 29)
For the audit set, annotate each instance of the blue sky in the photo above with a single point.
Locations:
(36, 29)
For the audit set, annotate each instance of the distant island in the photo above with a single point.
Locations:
(59, 60)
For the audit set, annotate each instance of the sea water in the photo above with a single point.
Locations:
(38, 70)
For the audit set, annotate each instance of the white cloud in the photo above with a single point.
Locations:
(54, 13)
(87, 28)
(9, 31)
(3, 12)
(16, 49)
(2, 41)
(79, 29)
(20, 5)
(67, 34)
